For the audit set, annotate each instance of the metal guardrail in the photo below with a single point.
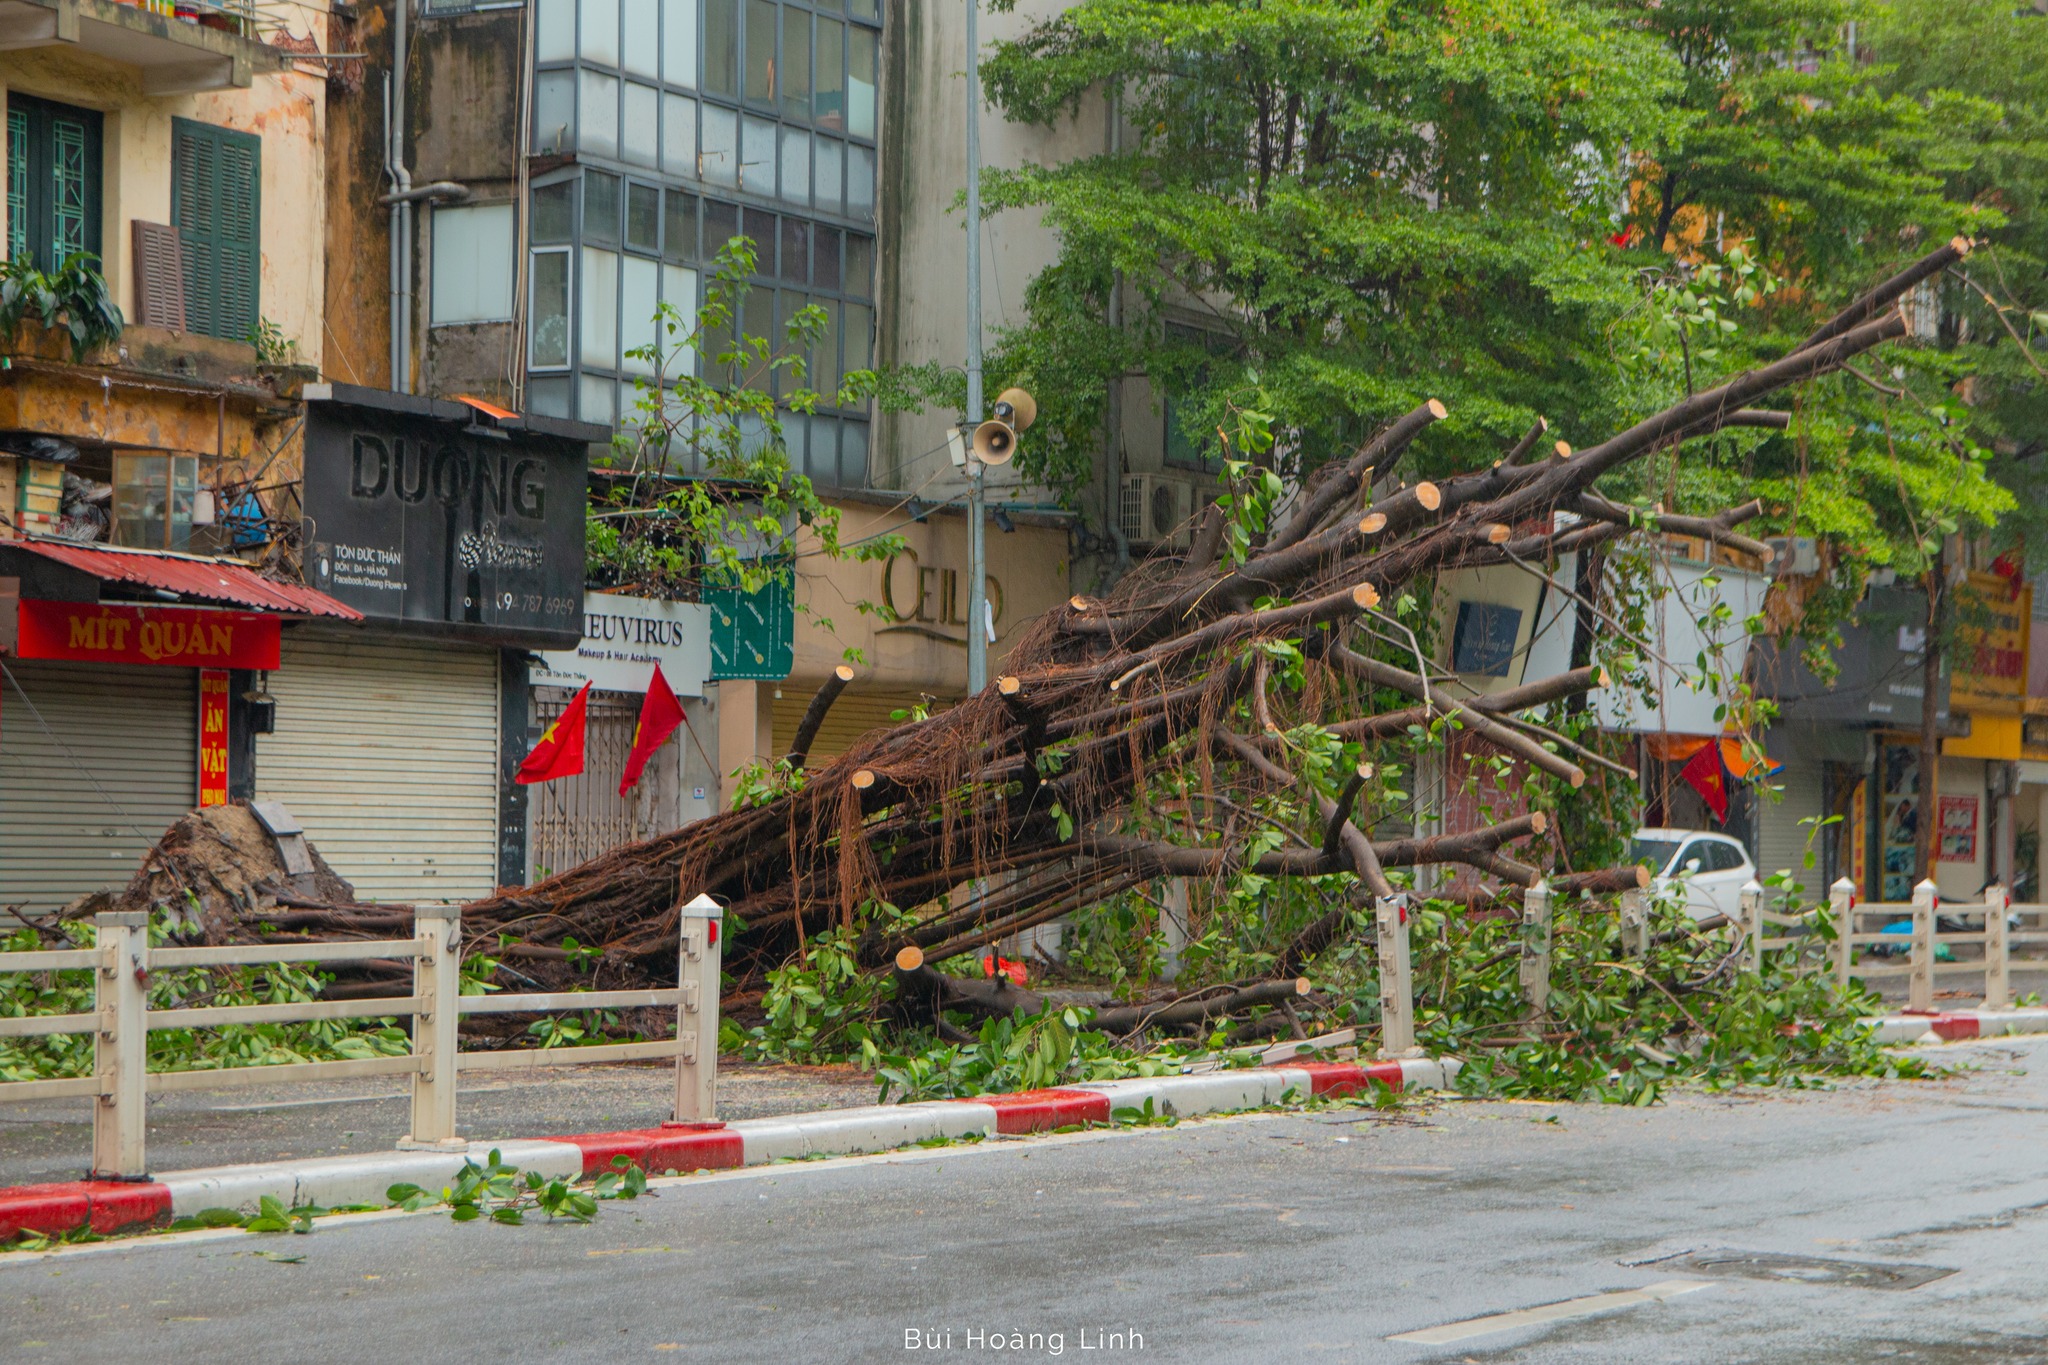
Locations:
(122, 1021)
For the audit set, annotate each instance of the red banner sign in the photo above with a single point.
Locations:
(213, 737)
(176, 637)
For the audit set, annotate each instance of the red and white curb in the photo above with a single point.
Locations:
(1949, 1028)
(682, 1148)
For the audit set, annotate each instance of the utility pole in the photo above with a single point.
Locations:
(977, 545)
(1929, 840)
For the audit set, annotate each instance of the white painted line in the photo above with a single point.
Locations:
(1553, 1312)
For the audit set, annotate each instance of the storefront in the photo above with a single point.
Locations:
(574, 819)
(456, 529)
(909, 648)
(119, 715)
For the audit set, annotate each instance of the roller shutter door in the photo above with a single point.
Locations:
(853, 715)
(1781, 839)
(387, 752)
(84, 799)
(573, 819)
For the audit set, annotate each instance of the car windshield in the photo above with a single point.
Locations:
(1656, 852)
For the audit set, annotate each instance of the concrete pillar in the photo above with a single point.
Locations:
(746, 730)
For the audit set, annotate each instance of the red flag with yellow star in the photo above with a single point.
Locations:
(560, 751)
(660, 714)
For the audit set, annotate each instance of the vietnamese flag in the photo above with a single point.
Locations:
(1709, 777)
(660, 714)
(560, 751)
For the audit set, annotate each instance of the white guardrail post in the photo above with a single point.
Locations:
(1997, 924)
(1920, 984)
(697, 981)
(1535, 966)
(1753, 923)
(121, 1047)
(437, 981)
(1842, 907)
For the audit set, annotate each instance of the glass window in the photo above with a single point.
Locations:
(796, 251)
(860, 82)
(679, 291)
(641, 45)
(597, 111)
(760, 52)
(825, 257)
(759, 321)
(825, 354)
(860, 266)
(679, 135)
(153, 500)
(721, 225)
(720, 163)
(722, 47)
(554, 31)
(554, 111)
(829, 76)
(796, 166)
(643, 218)
(865, 9)
(679, 43)
(1654, 853)
(472, 264)
(821, 461)
(599, 342)
(760, 227)
(860, 328)
(826, 174)
(549, 347)
(757, 156)
(598, 34)
(548, 397)
(643, 104)
(793, 78)
(853, 454)
(554, 212)
(679, 226)
(600, 207)
(639, 293)
(860, 182)
(597, 399)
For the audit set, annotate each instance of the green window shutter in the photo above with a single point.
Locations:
(216, 206)
(53, 181)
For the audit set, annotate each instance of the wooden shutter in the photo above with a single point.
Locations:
(159, 276)
(216, 207)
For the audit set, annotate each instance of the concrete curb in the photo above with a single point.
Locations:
(107, 1206)
(1949, 1028)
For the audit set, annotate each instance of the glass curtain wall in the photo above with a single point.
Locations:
(691, 122)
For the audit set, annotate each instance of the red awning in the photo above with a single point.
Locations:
(225, 581)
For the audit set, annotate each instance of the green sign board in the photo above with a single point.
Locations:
(753, 634)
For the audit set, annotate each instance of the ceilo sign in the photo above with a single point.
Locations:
(429, 512)
(175, 637)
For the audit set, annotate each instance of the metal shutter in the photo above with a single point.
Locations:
(852, 716)
(387, 752)
(1781, 839)
(573, 819)
(84, 799)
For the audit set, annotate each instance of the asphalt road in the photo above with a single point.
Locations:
(1295, 1238)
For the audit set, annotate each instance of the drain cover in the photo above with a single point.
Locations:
(1772, 1265)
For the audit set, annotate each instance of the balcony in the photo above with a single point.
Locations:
(175, 57)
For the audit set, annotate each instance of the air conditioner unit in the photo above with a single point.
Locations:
(1157, 510)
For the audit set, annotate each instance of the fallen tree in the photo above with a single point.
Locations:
(1264, 667)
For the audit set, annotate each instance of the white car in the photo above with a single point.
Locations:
(1709, 869)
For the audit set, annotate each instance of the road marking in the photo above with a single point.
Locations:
(1553, 1312)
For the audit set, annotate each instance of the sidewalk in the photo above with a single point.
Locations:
(363, 1178)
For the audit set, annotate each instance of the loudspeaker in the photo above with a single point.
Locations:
(1017, 407)
(994, 442)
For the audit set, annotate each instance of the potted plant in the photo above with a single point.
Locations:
(46, 315)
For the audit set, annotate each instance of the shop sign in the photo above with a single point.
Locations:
(930, 600)
(412, 518)
(753, 634)
(1992, 617)
(1957, 831)
(625, 637)
(213, 737)
(175, 637)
